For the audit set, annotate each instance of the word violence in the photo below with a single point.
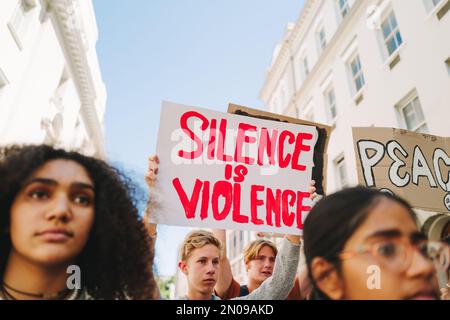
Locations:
(280, 207)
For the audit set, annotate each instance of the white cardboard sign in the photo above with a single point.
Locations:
(219, 170)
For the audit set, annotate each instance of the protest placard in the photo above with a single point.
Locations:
(412, 165)
(220, 170)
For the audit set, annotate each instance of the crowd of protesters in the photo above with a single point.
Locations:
(60, 208)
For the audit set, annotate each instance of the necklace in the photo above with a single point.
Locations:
(61, 295)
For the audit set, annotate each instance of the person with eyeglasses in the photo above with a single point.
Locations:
(362, 244)
(445, 292)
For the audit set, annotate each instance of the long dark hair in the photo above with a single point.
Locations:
(117, 261)
(334, 219)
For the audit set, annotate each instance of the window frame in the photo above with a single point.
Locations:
(410, 101)
(332, 119)
(394, 32)
(339, 163)
(305, 67)
(321, 41)
(359, 74)
(346, 9)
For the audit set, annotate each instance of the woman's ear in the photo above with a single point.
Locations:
(327, 278)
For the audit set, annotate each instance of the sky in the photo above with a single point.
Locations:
(204, 53)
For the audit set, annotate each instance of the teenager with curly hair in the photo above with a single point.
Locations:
(60, 208)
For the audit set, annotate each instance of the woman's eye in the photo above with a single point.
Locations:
(82, 199)
(39, 194)
(387, 250)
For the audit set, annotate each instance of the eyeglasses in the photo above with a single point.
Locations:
(397, 254)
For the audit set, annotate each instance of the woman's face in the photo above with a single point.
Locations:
(380, 276)
(53, 213)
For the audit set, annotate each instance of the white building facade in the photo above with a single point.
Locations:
(350, 63)
(361, 63)
(51, 88)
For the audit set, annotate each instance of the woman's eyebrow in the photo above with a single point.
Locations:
(388, 233)
(82, 185)
(52, 182)
(45, 181)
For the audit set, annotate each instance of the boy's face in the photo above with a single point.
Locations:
(201, 269)
(261, 267)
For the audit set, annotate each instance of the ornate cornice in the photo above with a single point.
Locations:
(74, 38)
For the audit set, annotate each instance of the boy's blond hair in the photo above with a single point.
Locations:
(253, 248)
(197, 239)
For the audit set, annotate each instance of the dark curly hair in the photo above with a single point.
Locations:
(117, 260)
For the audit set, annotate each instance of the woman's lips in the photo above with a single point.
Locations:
(55, 235)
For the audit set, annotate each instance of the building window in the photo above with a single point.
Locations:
(305, 68)
(330, 101)
(321, 39)
(391, 33)
(20, 20)
(344, 8)
(341, 173)
(357, 73)
(413, 116)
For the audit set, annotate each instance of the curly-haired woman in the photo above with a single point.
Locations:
(60, 208)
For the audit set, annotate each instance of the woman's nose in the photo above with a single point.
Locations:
(60, 209)
(421, 266)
